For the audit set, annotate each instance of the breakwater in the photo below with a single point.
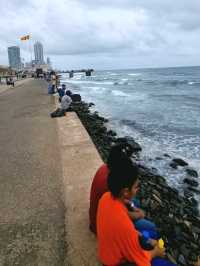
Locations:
(176, 216)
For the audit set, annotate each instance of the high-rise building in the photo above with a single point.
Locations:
(48, 62)
(38, 51)
(14, 57)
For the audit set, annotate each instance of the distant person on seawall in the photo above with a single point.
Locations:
(64, 105)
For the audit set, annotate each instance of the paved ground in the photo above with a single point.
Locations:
(80, 162)
(32, 228)
(18, 83)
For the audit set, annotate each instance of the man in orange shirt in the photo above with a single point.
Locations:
(118, 240)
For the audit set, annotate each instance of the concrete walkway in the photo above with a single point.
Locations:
(18, 83)
(80, 161)
(47, 166)
(32, 231)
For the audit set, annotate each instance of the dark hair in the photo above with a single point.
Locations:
(127, 145)
(122, 177)
(63, 85)
(117, 154)
(68, 92)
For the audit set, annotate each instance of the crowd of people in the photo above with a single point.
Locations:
(65, 96)
(125, 237)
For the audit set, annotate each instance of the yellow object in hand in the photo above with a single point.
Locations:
(161, 243)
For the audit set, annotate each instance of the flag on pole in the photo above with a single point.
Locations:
(24, 38)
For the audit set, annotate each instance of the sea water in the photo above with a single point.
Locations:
(159, 108)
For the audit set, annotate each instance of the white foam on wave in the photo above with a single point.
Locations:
(91, 82)
(134, 74)
(95, 89)
(153, 147)
(120, 93)
(113, 74)
(193, 82)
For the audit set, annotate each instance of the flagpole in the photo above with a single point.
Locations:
(30, 50)
(25, 38)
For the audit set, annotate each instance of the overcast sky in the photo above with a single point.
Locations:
(105, 34)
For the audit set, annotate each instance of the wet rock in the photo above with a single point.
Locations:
(112, 133)
(136, 146)
(191, 182)
(166, 155)
(180, 162)
(76, 97)
(172, 259)
(193, 202)
(188, 193)
(193, 189)
(159, 158)
(173, 165)
(91, 104)
(196, 230)
(181, 259)
(156, 198)
(191, 172)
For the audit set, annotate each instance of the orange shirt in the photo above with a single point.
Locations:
(118, 240)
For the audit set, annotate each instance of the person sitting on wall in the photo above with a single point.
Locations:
(66, 101)
(118, 154)
(118, 239)
(64, 106)
(61, 91)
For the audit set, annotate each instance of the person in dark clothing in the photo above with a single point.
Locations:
(61, 91)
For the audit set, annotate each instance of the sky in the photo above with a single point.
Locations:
(104, 34)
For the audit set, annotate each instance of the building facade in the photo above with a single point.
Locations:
(39, 55)
(14, 57)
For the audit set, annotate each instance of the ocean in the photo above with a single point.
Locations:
(159, 108)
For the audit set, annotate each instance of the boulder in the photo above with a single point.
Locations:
(159, 158)
(191, 182)
(166, 155)
(191, 172)
(76, 97)
(180, 162)
(135, 146)
(91, 104)
(173, 165)
(194, 189)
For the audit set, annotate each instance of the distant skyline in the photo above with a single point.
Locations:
(115, 34)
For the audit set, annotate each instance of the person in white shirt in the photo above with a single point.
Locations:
(64, 105)
(65, 102)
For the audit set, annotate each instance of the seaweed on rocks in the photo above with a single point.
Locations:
(176, 216)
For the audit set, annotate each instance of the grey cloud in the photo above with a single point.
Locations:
(100, 30)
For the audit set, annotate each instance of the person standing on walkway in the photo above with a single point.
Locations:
(53, 82)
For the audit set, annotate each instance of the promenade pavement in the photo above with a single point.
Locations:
(18, 83)
(32, 230)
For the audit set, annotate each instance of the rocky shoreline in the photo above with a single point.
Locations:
(176, 216)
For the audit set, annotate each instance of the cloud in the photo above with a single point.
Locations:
(87, 30)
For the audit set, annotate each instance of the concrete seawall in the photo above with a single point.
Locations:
(80, 161)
